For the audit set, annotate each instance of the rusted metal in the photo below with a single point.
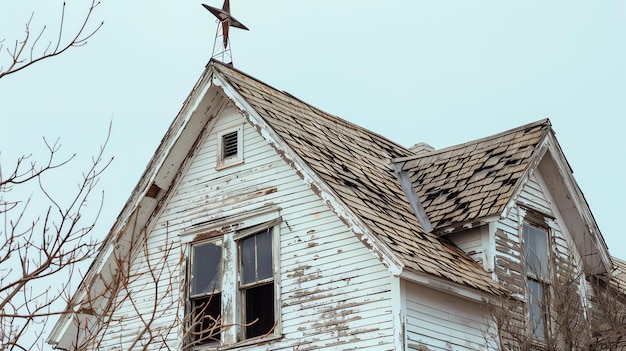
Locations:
(226, 20)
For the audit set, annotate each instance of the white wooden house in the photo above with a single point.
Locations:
(297, 230)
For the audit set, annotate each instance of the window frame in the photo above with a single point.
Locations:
(232, 310)
(244, 287)
(537, 304)
(229, 161)
(192, 298)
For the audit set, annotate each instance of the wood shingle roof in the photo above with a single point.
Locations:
(474, 180)
(355, 163)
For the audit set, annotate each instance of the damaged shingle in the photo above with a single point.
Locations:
(489, 171)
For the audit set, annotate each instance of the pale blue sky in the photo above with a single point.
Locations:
(443, 72)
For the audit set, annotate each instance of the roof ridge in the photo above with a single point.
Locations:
(543, 121)
(332, 117)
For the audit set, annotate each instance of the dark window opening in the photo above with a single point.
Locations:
(257, 283)
(229, 145)
(206, 319)
(259, 302)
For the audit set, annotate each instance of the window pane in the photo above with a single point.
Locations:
(248, 260)
(264, 252)
(207, 319)
(207, 267)
(536, 252)
(535, 309)
(259, 309)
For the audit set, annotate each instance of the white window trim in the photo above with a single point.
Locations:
(523, 221)
(239, 235)
(222, 162)
(190, 280)
(225, 222)
(232, 314)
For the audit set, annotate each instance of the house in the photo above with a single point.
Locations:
(264, 223)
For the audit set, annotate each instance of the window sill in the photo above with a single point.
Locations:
(248, 342)
(221, 165)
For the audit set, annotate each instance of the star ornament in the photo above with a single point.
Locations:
(223, 15)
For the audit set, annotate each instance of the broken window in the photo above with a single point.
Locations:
(256, 283)
(206, 296)
(232, 283)
(535, 240)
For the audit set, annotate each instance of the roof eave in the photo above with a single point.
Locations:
(549, 145)
(137, 201)
(582, 207)
(451, 287)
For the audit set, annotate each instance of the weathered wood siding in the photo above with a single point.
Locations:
(334, 293)
(564, 257)
(475, 242)
(437, 321)
(508, 245)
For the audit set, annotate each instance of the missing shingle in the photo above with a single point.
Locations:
(452, 195)
(349, 183)
(482, 170)
(510, 181)
(512, 162)
(437, 192)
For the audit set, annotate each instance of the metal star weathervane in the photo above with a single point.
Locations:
(222, 52)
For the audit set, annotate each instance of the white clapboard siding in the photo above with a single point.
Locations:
(510, 271)
(438, 321)
(474, 242)
(533, 194)
(335, 294)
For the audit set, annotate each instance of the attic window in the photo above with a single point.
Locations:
(230, 147)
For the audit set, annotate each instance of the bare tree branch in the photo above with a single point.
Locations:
(38, 254)
(582, 313)
(26, 51)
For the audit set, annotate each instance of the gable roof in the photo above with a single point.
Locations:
(352, 169)
(355, 163)
(462, 183)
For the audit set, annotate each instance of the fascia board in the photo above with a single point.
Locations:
(449, 287)
(60, 328)
(318, 185)
(135, 200)
(581, 203)
(550, 144)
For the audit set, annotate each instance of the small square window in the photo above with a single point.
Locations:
(229, 147)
